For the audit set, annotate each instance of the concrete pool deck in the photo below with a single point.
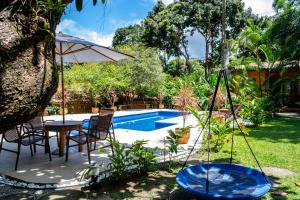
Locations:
(38, 169)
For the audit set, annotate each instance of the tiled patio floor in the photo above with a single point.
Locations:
(38, 169)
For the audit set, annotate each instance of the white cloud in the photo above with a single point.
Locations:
(260, 7)
(71, 27)
(167, 2)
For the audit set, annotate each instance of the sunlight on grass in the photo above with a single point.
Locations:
(275, 144)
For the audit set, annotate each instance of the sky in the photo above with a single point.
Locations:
(98, 23)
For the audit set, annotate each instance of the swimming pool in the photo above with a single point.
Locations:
(149, 121)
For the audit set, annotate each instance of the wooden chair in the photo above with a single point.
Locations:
(24, 135)
(99, 129)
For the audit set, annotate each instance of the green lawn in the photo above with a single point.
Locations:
(276, 144)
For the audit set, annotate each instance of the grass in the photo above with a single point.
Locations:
(276, 144)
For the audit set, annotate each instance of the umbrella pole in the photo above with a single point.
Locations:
(62, 82)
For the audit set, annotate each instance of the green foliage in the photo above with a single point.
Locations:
(172, 139)
(143, 158)
(52, 110)
(92, 79)
(166, 26)
(120, 160)
(220, 130)
(130, 35)
(146, 72)
(220, 134)
(284, 32)
(253, 110)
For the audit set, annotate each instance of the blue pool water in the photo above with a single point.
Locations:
(144, 121)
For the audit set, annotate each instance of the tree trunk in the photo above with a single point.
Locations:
(28, 75)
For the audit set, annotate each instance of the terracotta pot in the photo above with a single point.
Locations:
(95, 110)
(184, 136)
(219, 118)
(161, 106)
(115, 108)
(61, 111)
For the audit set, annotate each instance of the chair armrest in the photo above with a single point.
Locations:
(74, 129)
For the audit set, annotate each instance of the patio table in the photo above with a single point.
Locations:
(63, 129)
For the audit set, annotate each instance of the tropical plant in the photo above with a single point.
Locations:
(253, 110)
(96, 100)
(172, 140)
(220, 130)
(143, 158)
(120, 160)
(185, 98)
(52, 109)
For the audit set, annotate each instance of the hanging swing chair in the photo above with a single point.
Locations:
(223, 181)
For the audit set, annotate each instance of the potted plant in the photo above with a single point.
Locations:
(160, 99)
(112, 98)
(182, 101)
(96, 101)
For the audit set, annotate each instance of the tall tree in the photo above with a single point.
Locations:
(164, 29)
(130, 35)
(165, 25)
(28, 74)
(285, 29)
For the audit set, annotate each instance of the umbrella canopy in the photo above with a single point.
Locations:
(70, 49)
(77, 50)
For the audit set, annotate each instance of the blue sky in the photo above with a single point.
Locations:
(98, 23)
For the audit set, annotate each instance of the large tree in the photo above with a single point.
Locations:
(165, 26)
(130, 35)
(28, 74)
(285, 29)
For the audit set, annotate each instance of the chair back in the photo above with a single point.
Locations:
(12, 135)
(106, 111)
(99, 126)
(36, 121)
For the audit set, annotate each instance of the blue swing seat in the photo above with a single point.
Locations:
(226, 181)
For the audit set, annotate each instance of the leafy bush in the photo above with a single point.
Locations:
(172, 139)
(254, 111)
(136, 157)
(220, 133)
(52, 110)
(142, 157)
(220, 130)
(119, 160)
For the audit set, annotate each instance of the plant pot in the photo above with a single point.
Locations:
(95, 110)
(115, 108)
(61, 111)
(185, 136)
(161, 106)
(45, 113)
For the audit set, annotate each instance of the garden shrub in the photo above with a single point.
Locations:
(127, 160)
(253, 110)
(143, 158)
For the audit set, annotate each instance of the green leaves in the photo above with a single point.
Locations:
(78, 4)
(172, 139)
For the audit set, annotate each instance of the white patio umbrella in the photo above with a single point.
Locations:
(70, 49)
